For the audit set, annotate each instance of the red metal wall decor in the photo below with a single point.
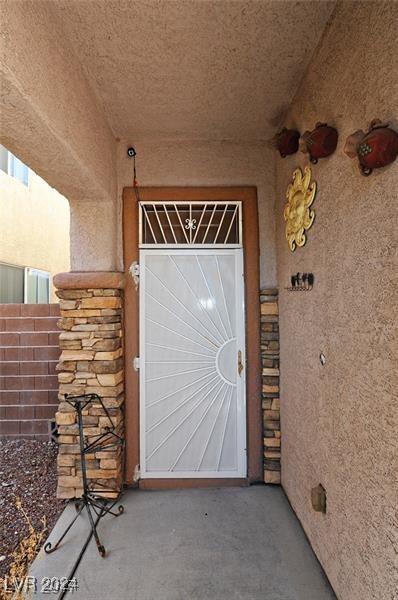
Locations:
(376, 148)
(320, 142)
(287, 141)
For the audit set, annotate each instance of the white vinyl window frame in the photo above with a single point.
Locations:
(31, 271)
(17, 169)
(25, 290)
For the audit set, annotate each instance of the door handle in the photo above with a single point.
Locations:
(240, 363)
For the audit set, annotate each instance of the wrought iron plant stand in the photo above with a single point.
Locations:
(92, 499)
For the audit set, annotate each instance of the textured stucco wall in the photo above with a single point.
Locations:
(209, 164)
(93, 236)
(340, 421)
(76, 75)
(191, 69)
(44, 88)
(34, 225)
(53, 121)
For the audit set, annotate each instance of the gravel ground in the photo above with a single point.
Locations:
(27, 471)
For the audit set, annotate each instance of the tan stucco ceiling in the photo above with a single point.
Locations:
(197, 69)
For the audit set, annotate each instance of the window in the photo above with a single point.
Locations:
(21, 285)
(37, 286)
(11, 284)
(17, 169)
(13, 166)
(3, 159)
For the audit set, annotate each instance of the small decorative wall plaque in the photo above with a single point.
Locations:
(300, 194)
(301, 282)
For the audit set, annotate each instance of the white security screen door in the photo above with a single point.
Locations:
(192, 352)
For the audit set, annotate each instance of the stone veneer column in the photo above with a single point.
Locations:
(91, 362)
(270, 385)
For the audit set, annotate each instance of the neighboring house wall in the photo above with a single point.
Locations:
(29, 352)
(340, 420)
(34, 222)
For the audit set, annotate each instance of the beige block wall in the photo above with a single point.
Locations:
(34, 226)
(340, 421)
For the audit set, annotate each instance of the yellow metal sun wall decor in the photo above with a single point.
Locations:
(300, 195)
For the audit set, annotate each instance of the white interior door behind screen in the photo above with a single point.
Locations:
(192, 352)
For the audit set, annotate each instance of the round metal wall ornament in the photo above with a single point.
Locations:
(299, 217)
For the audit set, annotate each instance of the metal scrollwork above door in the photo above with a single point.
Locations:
(197, 224)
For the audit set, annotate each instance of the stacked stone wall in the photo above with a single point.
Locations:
(270, 385)
(91, 362)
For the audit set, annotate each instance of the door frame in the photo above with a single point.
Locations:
(248, 197)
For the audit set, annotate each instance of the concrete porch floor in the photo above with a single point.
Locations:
(192, 544)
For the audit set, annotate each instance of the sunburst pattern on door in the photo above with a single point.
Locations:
(190, 376)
